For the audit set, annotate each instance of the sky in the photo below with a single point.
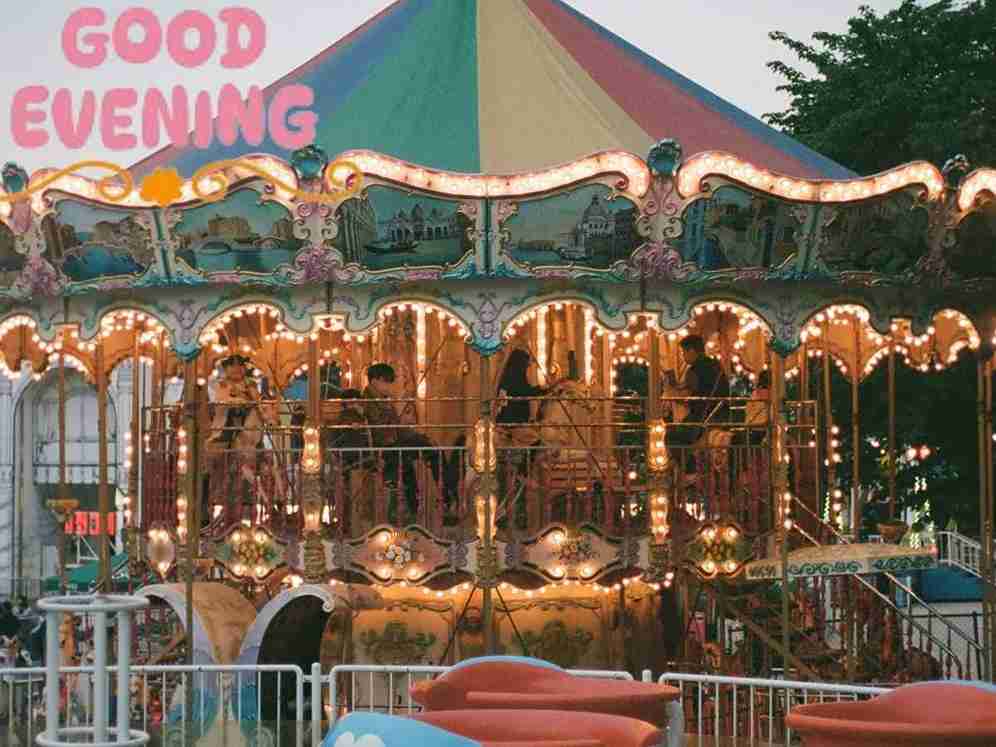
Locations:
(720, 44)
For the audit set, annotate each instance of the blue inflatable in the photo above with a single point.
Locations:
(378, 730)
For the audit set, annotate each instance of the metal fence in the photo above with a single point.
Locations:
(748, 709)
(281, 705)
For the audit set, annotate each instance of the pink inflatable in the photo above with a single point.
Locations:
(931, 714)
(531, 684)
(500, 728)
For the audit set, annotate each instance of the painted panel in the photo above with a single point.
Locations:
(388, 229)
(737, 229)
(242, 233)
(88, 243)
(583, 227)
(884, 237)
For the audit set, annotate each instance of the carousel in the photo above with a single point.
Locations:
(393, 414)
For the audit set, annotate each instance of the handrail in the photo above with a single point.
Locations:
(971, 643)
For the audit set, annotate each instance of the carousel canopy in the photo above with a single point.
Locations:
(508, 85)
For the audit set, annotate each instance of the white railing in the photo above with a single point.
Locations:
(160, 703)
(293, 712)
(961, 552)
(751, 709)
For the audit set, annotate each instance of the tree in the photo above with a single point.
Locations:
(917, 83)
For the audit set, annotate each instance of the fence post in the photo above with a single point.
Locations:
(316, 704)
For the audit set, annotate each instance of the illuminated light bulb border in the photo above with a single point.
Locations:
(978, 182)
(210, 335)
(426, 309)
(634, 173)
(715, 163)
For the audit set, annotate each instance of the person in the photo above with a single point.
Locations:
(236, 439)
(402, 447)
(514, 387)
(707, 386)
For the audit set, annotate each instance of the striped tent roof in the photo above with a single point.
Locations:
(509, 85)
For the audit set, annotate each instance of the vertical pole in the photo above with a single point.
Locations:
(488, 489)
(137, 382)
(781, 498)
(314, 383)
(654, 379)
(100, 702)
(892, 430)
(53, 661)
(856, 417)
(828, 413)
(104, 497)
(190, 403)
(984, 382)
(62, 464)
(124, 661)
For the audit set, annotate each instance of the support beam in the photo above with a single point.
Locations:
(985, 425)
(103, 488)
(892, 430)
(191, 406)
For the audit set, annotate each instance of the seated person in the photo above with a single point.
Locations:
(399, 443)
(514, 384)
(707, 385)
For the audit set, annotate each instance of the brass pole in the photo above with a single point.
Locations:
(654, 376)
(985, 403)
(828, 419)
(892, 430)
(314, 383)
(190, 405)
(488, 488)
(781, 498)
(136, 429)
(63, 583)
(103, 494)
(856, 419)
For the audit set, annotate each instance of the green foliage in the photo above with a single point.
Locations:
(937, 410)
(915, 83)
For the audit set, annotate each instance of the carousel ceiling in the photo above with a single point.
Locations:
(517, 85)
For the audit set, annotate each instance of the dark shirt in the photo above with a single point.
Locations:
(378, 415)
(517, 411)
(705, 378)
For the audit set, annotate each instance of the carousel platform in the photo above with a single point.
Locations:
(842, 560)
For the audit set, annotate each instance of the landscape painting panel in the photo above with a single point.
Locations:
(886, 237)
(386, 229)
(734, 228)
(89, 243)
(240, 234)
(581, 227)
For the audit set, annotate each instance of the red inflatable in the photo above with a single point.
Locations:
(520, 683)
(934, 714)
(499, 728)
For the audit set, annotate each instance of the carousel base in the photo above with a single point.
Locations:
(931, 714)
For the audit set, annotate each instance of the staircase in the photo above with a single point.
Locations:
(850, 644)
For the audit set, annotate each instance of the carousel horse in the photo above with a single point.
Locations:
(569, 464)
